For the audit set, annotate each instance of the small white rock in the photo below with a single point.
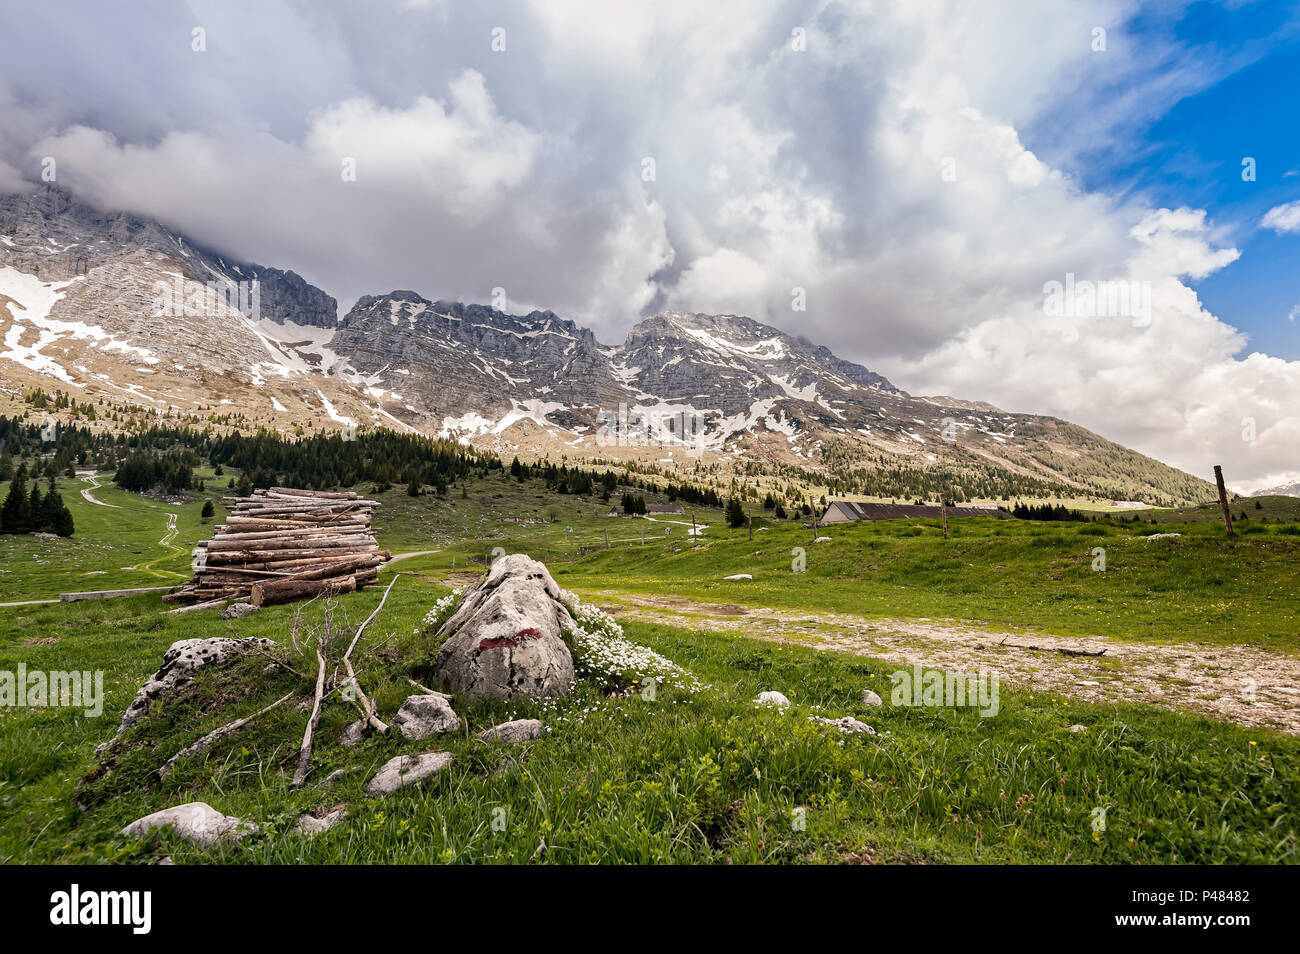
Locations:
(311, 825)
(847, 724)
(353, 734)
(422, 716)
(519, 730)
(772, 698)
(739, 576)
(193, 821)
(406, 770)
(869, 698)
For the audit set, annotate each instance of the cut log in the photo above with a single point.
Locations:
(113, 594)
(285, 591)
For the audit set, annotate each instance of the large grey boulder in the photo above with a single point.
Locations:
(505, 639)
(407, 770)
(181, 662)
(518, 730)
(193, 821)
(422, 716)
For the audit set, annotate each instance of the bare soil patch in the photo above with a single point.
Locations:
(1238, 683)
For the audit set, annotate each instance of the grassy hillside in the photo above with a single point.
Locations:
(686, 777)
(689, 777)
(1200, 588)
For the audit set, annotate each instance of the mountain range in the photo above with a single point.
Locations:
(113, 306)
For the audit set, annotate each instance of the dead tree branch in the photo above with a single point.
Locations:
(364, 703)
(216, 735)
(304, 754)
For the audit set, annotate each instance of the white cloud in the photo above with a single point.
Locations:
(1282, 218)
(775, 168)
(1172, 388)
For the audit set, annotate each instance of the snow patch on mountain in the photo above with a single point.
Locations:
(29, 309)
(333, 412)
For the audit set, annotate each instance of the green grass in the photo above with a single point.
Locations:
(117, 546)
(689, 778)
(1270, 509)
(1202, 588)
(700, 777)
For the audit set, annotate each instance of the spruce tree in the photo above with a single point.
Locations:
(35, 509)
(14, 517)
(58, 518)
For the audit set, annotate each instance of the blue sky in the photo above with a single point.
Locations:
(1192, 156)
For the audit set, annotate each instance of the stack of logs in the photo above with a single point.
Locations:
(281, 545)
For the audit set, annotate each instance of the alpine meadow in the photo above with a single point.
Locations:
(818, 433)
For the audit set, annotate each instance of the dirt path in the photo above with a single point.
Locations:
(1238, 683)
(166, 540)
(94, 485)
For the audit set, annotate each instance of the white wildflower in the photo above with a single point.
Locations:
(603, 651)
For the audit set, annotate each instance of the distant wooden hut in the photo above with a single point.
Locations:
(848, 511)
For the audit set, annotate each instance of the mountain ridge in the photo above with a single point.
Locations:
(81, 288)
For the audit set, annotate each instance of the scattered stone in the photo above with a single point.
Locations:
(334, 777)
(422, 716)
(505, 639)
(772, 698)
(847, 724)
(194, 821)
(181, 661)
(1087, 682)
(165, 861)
(739, 576)
(238, 610)
(520, 730)
(311, 825)
(42, 535)
(354, 734)
(822, 540)
(1078, 728)
(870, 698)
(1163, 536)
(406, 770)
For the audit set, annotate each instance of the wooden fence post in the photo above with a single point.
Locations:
(1223, 498)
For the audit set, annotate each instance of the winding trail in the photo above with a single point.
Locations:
(406, 556)
(166, 540)
(1241, 684)
(170, 534)
(94, 485)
